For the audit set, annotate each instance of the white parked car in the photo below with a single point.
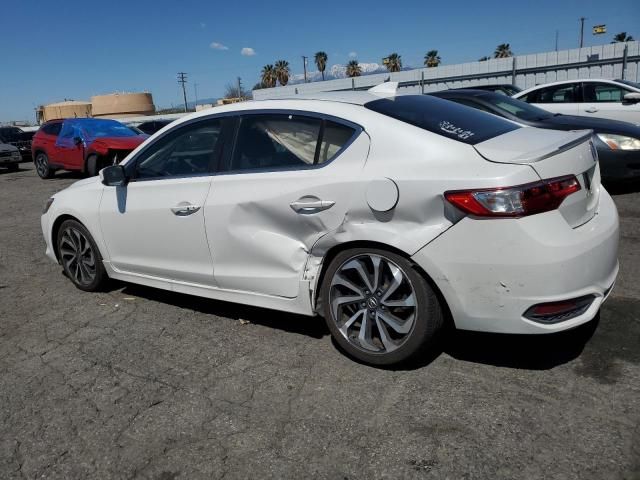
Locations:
(388, 215)
(613, 99)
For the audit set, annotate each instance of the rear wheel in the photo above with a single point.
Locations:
(43, 168)
(80, 257)
(378, 307)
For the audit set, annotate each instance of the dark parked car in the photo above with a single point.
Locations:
(153, 126)
(84, 144)
(618, 143)
(18, 138)
(504, 88)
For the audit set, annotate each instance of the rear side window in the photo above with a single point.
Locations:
(558, 94)
(52, 128)
(287, 141)
(449, 119)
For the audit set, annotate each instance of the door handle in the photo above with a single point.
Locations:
(591, 110)
(184, 210)
(307, 205)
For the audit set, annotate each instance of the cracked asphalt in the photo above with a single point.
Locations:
(142, 383)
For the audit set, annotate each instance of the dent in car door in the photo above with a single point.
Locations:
(261, 225)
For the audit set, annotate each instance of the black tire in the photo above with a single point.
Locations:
(426, 313)
(93, 165)
(13, 167)
(98, 275)
(43, 169)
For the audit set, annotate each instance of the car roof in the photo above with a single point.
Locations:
(564, 82)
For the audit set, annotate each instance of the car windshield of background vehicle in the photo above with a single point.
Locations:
(520, 109)
(631, 84)
(449, 119)
(106, 128)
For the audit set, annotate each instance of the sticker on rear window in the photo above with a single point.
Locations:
(451, 129)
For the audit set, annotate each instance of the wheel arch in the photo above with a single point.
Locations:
(332, 252)
(55, 228)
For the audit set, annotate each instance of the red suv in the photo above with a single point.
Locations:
(84, 144)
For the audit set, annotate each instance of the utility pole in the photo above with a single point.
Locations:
(304, 64)
(557, 40)
(239, 88)
(582, 19)
(195, 89)
(182, 78)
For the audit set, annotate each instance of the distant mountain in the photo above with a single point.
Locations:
(336, 71)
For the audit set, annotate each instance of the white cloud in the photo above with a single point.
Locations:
(247, 52)
(218, 46)
(353, 54)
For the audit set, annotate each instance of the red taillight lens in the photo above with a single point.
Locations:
(518, 201)
(553, 312)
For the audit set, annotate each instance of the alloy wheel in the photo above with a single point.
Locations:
(78, 257)
(41, 165)
(373, 303)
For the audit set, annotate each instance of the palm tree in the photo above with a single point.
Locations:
(484, 59)
(622, 37)
(393, 62)
(503, 51)
(268, 76)
(282, 72)
(321, 62)
(431, 59)
(353, 69)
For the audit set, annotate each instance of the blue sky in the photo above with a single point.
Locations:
(75, 49)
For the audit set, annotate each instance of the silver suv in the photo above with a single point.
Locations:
(9, 156)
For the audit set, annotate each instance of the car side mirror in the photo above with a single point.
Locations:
(632, 97)
(77, 141)
(113, 176)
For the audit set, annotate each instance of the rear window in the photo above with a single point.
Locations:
(443, 117)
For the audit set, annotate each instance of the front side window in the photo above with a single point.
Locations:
(188, 151)
(287, 141)
(603, 92)
(557, 94)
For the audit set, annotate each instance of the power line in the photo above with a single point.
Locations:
(182, 79)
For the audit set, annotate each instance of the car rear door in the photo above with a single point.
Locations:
(154, 227)
(563, 98)
(46, 139)
(69, 153)
(286, 184)
(605, 100)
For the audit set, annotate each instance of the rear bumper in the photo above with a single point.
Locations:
(491, 271)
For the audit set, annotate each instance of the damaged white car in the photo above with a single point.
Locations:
(388, 215)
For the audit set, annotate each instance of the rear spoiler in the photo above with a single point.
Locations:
(529, 145)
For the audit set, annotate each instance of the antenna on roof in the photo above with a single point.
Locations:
(386, 89)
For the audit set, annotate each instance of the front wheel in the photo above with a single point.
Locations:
(80, 257)
(378, 308)
(13, 167)
(43, 168)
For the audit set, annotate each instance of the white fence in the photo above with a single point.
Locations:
(600, 61)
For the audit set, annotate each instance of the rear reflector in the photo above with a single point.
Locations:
(517, 201)
(554, 312)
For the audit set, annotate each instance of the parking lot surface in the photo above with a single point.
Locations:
(143, 383)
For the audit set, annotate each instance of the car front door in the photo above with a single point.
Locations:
(606, 100)
(288, 182)
(69, 147)
(155, 225)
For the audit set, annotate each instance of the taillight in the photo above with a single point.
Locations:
(518, 201)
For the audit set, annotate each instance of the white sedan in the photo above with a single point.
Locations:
(612, 99)
(387, 215)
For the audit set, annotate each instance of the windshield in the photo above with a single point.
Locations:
(518, 108)
(631, 84)
(94, 128)
(445, 118)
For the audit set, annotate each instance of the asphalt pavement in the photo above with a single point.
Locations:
(143, 383)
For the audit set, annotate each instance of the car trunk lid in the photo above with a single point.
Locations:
(553, 154)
